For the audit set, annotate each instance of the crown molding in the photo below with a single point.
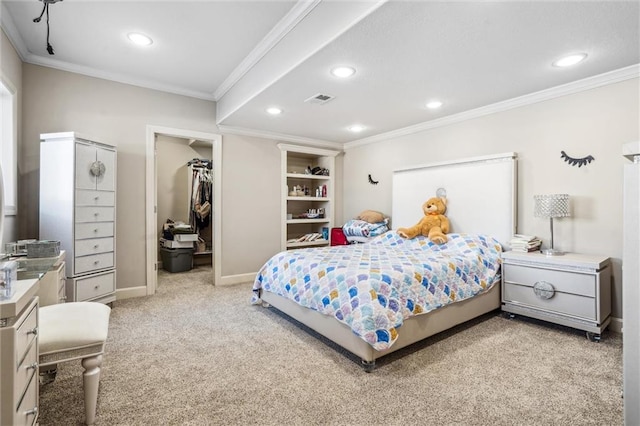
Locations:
(279, 137)
(277, 33)
(7, 24)
(9, 27)
(611, 77)
(120, 78)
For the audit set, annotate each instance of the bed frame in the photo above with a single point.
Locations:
(482, 199)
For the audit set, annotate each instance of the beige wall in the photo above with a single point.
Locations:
(11, 68)
(595, 122)
(56, 101)
(250, 203)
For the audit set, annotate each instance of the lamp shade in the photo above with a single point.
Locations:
(551, 205)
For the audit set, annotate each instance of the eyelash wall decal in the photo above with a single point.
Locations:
(576, 161)
(373, 182)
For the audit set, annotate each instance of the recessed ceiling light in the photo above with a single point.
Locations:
(343, 72)
(567, 61)
(356, 128)
(434, 104)
(274, 111)
(140, 39)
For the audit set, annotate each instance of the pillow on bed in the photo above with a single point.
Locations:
(360, 228)
(371, 216)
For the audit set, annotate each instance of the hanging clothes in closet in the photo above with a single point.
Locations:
(201, 186)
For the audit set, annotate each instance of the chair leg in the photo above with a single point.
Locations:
(91, 382)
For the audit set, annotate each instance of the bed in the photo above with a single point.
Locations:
(375, 298)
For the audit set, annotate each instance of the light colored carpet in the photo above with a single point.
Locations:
(195, 354)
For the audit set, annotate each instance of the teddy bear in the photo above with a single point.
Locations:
(434, 224)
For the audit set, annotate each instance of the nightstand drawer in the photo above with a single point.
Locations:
(564, 303)
(562, 281)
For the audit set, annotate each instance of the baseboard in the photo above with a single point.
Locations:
(616, 325)
(130, 292)
(237, 279)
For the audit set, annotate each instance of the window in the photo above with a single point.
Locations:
(8, 145)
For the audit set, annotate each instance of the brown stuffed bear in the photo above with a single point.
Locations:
(434, 224)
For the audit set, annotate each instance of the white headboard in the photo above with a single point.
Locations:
(481, 194)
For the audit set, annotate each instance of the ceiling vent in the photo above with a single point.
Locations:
(320, 98)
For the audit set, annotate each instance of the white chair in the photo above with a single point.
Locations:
(77, 330)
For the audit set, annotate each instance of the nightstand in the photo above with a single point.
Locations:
(573, 290)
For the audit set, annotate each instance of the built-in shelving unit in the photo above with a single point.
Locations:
(304, 192)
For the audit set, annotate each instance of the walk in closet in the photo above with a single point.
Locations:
(185, 194)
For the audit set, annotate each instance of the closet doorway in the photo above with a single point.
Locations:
(168, 193)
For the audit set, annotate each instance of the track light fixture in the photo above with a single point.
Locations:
(45, 9)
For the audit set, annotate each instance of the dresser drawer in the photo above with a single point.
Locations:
(27, 412)
(94, 262)
(95, 198)
(562, 281)
(26, 370)
(563, 303)
(26, 334)
(93, 230)
(93, 246)
(95, 214)
(95, 286)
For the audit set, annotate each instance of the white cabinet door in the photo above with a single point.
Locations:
(85, 157)
(107, 180)
(103, 177)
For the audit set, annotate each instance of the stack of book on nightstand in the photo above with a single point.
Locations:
(525, 243)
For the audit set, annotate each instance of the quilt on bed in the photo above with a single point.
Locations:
(374, 287)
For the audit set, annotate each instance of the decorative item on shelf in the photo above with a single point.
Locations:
(576, 161)
(320, 171)
(551, 206)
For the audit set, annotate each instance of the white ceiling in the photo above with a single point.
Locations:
(249, 55)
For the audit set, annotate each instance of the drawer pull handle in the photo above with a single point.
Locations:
(544, 290)
(33, 331)
(97, 197)
(31, 412)
(96, 262)
(96, 246)
(33, 366)
(96, 214)
(95, 230)
(96, 287)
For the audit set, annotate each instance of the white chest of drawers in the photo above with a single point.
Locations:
(19, 355)
(78, 208)
(572, 290)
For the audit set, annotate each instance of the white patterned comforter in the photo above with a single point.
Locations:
(374, 287)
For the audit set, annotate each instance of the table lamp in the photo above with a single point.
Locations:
(551, 206)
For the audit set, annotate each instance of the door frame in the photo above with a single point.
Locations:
(151, 199)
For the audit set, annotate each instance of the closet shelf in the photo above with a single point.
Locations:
(308, 244)
(293, 221)
(305, 176)
(308, 199)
